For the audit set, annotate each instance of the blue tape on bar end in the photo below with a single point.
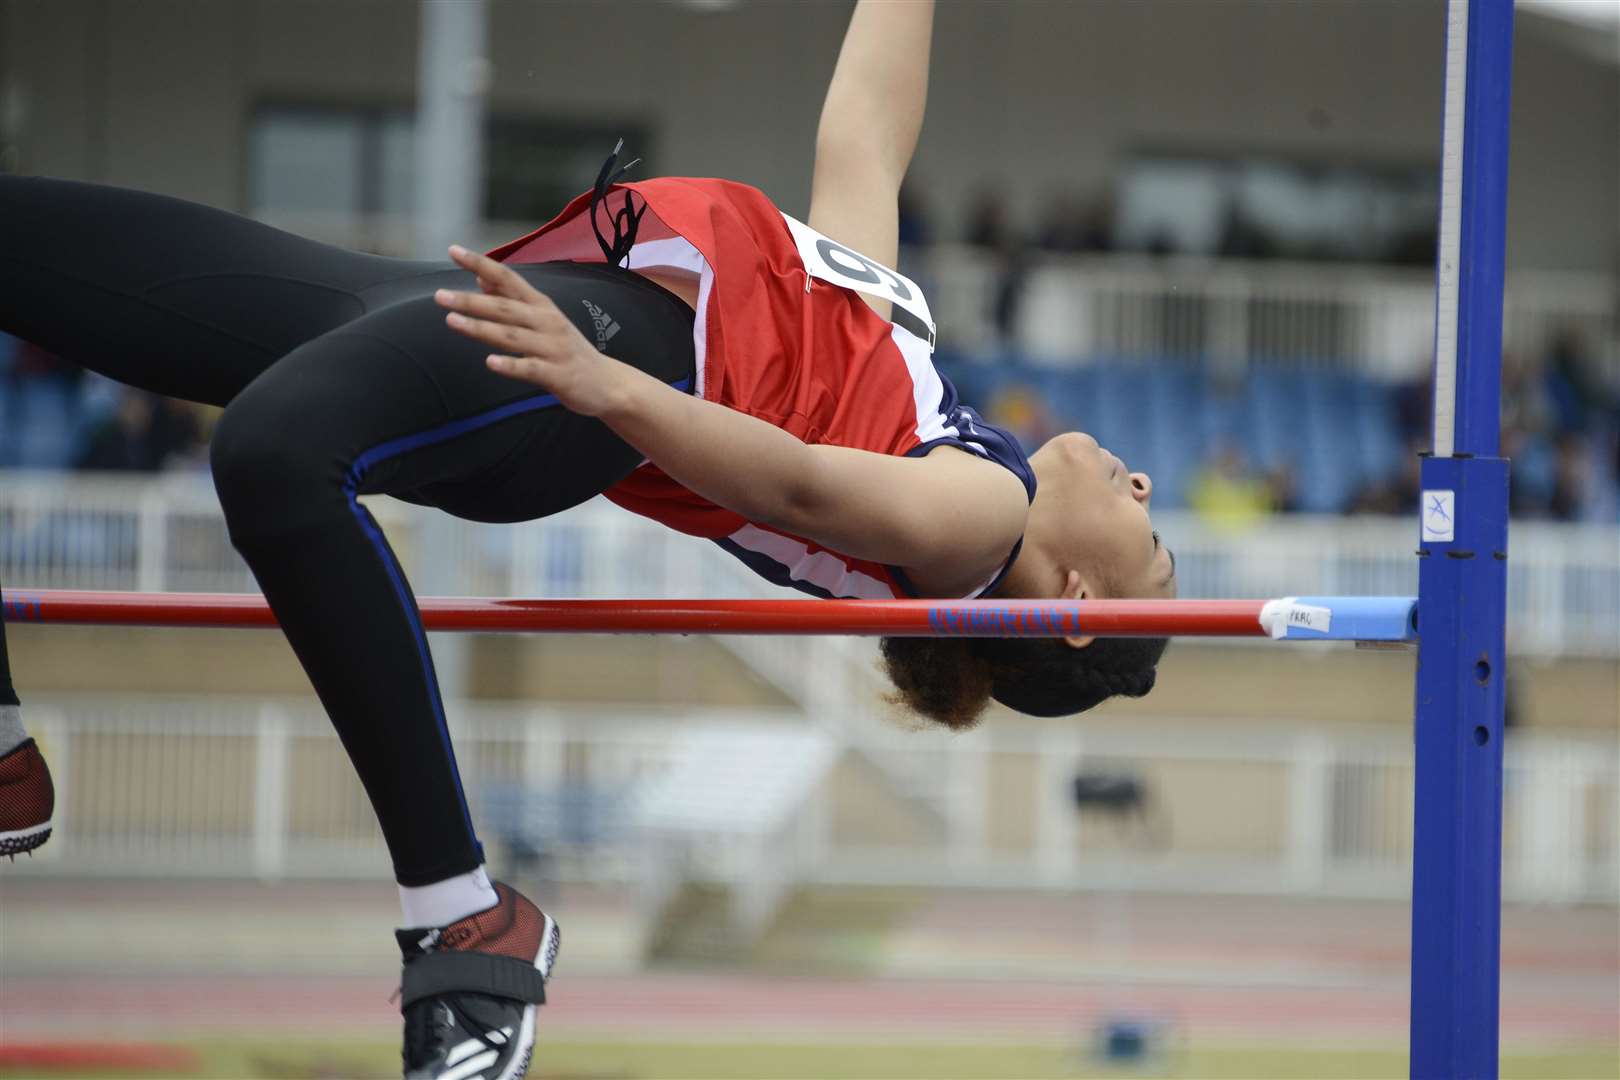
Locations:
(1341, 618)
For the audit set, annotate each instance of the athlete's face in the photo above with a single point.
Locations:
(1091, 514)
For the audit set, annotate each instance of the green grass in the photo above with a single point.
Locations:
(581, 1060)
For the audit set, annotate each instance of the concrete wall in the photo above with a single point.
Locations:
(1030, 95)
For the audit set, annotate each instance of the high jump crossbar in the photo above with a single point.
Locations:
(1291, 618)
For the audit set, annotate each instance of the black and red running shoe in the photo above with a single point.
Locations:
(27, 799)
(471, 989)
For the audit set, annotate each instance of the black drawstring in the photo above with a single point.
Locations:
(625, 220)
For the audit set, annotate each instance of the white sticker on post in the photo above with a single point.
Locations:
(1439, 516)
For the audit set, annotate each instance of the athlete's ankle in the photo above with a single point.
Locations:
(12, 732)
(447, 901)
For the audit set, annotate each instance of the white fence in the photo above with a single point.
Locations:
(73, 531)
(220, 786)
(1369, 318)
(247, 787)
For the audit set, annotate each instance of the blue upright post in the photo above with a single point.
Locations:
(1462, 578)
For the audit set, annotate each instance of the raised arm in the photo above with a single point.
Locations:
(869, 127)
(879, 89)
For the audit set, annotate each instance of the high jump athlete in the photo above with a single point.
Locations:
(678, 345)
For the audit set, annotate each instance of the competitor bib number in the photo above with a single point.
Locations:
(832, 262)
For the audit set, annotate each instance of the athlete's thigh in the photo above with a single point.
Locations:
(169, 295)
(405, 406)
(553, 458)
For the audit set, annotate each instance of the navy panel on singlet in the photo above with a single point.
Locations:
(976, 435)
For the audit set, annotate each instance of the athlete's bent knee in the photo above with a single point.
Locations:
(273, 475)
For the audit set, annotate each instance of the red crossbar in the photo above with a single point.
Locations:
(901, 618)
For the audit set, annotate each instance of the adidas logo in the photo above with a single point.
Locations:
(605, 326)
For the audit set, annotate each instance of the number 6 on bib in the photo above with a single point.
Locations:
(832, 262)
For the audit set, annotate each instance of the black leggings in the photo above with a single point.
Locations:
(339, 378)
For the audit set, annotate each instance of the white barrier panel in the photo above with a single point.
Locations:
(254, 788)
(166, 533)
(1375, 320)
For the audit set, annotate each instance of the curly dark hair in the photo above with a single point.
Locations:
(951, 680)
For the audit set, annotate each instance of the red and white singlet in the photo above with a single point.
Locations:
(780, 334)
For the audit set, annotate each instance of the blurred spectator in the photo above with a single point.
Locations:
(145, 433)
(29, 361)
(1526, 405)
(1576, 395)
(1161, 242)
(1282, 486)
(1226, 493)
(1398, 494)
(1019, 408)
(1241, 236)
(916, 224)
(1414, 418)
(1572, 479)
(54, 415)
(1009, 298)
(8, 424)
(1070, 225)
(39, 414)
(989, 225)
(1415, 245)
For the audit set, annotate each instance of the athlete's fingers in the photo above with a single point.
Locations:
(509, 284)
(499, 309)
(527, 368)
(495, 277)
(514, 339)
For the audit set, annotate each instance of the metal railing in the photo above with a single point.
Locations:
(259, 788)
(166, 533)
(1372, 319)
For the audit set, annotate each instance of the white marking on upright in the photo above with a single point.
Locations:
(1447, 266)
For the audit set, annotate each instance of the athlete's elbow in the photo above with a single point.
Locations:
(861, 158)
(799, 504)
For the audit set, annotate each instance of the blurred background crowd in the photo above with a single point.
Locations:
(1220, 451)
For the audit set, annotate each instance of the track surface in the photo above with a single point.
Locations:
(721, 1006)
(156, 959)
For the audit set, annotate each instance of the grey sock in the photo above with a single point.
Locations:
(11, 729)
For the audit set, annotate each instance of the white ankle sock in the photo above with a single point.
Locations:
(12, 733)
(443, 902)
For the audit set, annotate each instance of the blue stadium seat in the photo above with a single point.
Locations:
(47, 436)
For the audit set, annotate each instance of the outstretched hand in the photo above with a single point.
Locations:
(538, 343)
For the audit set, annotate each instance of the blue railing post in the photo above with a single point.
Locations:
(1462, 578)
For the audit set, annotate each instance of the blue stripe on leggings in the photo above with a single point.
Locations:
(351, 487)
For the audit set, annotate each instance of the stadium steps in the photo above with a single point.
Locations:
(721, 817)
(695, 929)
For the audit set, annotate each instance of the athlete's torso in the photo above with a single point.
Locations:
(781, 333)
